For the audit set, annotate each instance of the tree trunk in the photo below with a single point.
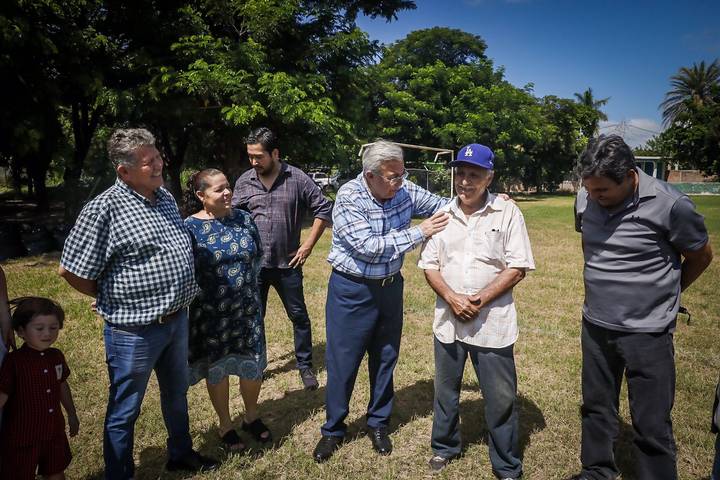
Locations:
(39, 164)
(174, 150)
(84, 122)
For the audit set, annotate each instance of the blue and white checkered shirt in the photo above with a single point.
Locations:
(370, 238)
(139, 253)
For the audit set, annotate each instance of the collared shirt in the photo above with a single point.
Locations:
(32, 380)
(140, 253)
(278, 212)
(632, 256)
(370, 238)
(470, 253)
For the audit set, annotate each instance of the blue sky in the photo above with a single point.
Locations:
(623, 50)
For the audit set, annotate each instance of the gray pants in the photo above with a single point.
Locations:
(495, 369)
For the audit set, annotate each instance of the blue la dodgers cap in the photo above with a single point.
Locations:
(474, 154)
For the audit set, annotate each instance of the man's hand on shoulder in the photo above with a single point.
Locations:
(434, 224)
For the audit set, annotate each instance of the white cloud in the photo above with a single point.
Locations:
(635, 132)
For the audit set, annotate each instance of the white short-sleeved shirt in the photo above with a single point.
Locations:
(470, 253)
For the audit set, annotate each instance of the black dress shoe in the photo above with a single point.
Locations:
(438, 462)
(326, 447)
(380, 440)
(192, 462)
(309, 379)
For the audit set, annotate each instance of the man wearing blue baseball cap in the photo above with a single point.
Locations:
(473, 266)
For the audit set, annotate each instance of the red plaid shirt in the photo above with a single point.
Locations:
(32, 380)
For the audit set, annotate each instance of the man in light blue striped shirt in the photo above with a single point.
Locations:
(371, 234)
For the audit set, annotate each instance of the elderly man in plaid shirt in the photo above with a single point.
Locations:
(363, 313)
(129, 249)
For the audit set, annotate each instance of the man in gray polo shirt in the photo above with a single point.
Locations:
(643, 244)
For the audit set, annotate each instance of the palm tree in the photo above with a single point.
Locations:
(586, 98)
(691, 86)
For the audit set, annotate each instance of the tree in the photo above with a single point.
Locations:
(420, 78)
(57, 59)
(559, 142)
(694, 137)
(588, 100)
(690, 87)
(230, 65)
(439, 88)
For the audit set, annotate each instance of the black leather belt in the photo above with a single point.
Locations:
(369, 281)
(167, 318)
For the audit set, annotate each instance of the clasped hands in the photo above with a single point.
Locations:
(465, 307)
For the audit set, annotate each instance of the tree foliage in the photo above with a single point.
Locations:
(691, 111)
(201, 73)
(691, 87)
(592, 104)
(438, 88)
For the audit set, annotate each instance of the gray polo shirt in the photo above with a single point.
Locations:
(632, 256)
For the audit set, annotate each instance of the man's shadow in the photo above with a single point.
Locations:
(417, 401)
(286, 362)
(283, 414)
(474, 429)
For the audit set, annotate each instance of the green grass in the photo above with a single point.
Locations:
(547, 354)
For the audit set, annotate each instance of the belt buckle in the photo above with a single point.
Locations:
(162, 319)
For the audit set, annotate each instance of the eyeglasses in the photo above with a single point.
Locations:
(397, 180)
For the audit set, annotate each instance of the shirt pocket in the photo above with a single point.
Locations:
(488, 246)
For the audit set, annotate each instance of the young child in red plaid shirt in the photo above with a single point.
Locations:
(33, 384)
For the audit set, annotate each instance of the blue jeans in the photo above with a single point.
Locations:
(495, 370)
(288, 283)
(132, 353)
(647, 361)
(361, 318)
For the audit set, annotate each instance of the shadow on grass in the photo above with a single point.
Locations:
(288, 363)
(282, 415)
(412, 401)
(150, 466)
(474, 429)
(625, 451)
(417, 401)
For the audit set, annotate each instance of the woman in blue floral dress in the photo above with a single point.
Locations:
(227, 334)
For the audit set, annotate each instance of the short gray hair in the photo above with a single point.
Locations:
(379, 152)
(124, 142)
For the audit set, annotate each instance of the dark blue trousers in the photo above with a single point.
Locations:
(495, 370)
(288, 283)
(647, 360)
(361, 317)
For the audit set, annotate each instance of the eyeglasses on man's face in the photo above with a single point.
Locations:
(397, 179)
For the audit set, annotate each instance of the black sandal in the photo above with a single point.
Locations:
(232, 441)
(256, 429)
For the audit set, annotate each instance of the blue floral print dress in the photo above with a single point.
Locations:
(227, 334)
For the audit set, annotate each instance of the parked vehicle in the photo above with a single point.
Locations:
(326, 182)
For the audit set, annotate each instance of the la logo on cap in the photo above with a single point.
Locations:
(468, 152)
